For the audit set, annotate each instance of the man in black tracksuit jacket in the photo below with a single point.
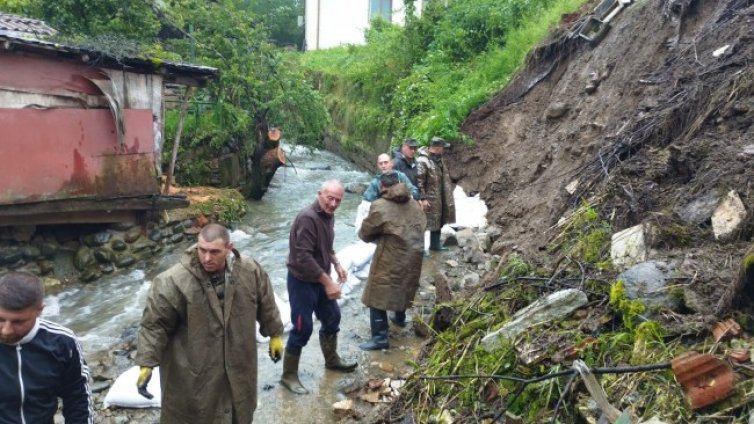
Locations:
(40, 361)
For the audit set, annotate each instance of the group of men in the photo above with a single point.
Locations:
(201, 315)
(397, 224)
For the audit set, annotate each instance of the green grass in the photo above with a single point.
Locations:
(425, 79)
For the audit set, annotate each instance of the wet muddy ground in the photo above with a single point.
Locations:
(276, 404)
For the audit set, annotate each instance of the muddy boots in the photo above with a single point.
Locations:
(378, 322)
(434, 241)
(333, 361)
(290, 374)
(398, 318)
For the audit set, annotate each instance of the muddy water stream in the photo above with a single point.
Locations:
(99, 312)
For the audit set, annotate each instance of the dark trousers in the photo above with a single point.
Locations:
(307, 297)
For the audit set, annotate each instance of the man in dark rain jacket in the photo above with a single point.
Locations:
(199, 326)
(396, 222)
(404, 160)
(435, 190)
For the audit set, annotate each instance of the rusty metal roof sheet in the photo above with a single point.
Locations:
(21, 26)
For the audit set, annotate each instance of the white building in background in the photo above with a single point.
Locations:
(331, 23)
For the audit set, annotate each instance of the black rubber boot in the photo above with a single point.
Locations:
(333, 361)
(290, 374)
(398, 318)
(378, 323)
(434, 241)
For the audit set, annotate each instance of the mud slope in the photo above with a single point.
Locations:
(667, 132)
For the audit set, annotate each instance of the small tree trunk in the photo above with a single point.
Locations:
(265, 160)
(177, 141)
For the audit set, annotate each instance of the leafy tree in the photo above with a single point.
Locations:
(425, 78)
(257, 84)
(133, 19)
(281, 19)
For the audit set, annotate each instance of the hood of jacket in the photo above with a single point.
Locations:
(398, 193)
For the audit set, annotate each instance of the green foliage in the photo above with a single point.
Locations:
(258, 83)
(629, 309)
(424, 79)
(280, 17)
(585, 237)
(227, 207)
(514, 267)
(133, 19)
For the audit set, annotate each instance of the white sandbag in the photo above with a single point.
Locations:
(447, 230)
(470, 211)
(345, 289)
(363, 272)
(285, 310)
(361, 212)
(123, 392)
(350, 278)
(362, 254)
(345, 257)
(285, 316)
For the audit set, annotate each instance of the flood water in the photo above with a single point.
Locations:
(99, 312)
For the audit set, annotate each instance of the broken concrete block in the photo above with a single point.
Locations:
(729, 217)
(628, 247)
(556, 305)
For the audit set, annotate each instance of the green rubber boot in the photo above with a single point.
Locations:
(290, 374)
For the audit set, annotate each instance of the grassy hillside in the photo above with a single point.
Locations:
(424, 79)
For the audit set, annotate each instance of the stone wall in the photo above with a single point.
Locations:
(83, 253)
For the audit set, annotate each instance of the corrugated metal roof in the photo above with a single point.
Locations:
(10, 42)
(21, 33)
(20, 26)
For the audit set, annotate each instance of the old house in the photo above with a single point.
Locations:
(79, 129)
(331, 23)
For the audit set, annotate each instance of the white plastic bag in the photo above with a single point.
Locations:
(123, 392)
(361, 212)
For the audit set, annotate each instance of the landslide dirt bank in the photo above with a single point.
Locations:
(653, 123)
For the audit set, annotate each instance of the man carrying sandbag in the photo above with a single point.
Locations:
(199, 326)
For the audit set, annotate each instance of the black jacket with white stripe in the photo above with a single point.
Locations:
(47, 364)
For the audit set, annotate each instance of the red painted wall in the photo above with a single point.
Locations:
(47, 75)
(65, 153)
(68, 153)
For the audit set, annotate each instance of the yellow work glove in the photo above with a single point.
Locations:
(276, 348)
(145, 374)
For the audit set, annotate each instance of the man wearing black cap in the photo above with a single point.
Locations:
(435, 190)
(403, 159)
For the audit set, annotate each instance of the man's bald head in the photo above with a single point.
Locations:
(384, 164)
